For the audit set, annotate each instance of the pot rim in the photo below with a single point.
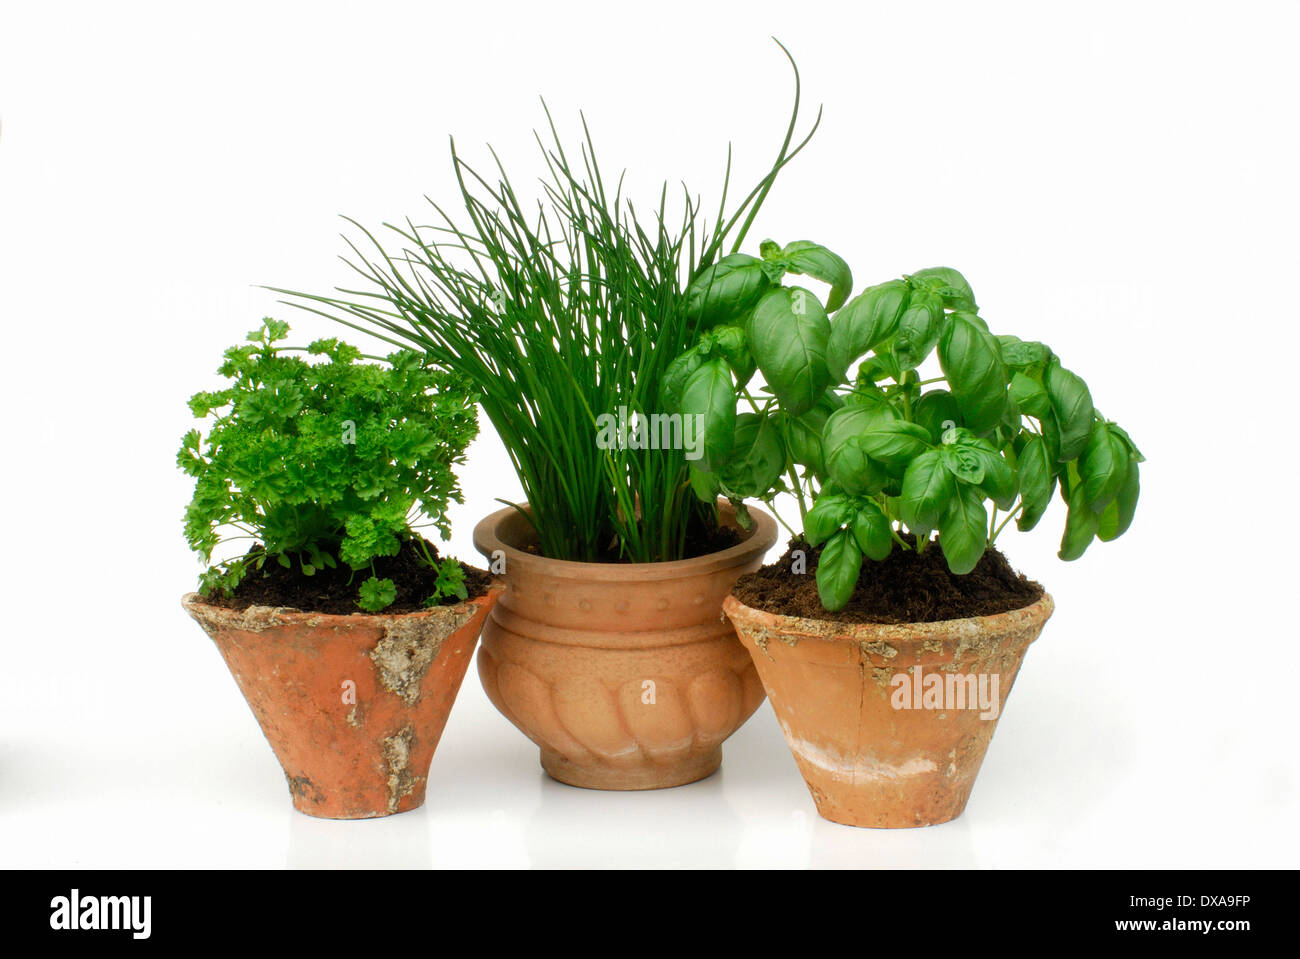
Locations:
(758, 541)
(292, 616)
(834, 631)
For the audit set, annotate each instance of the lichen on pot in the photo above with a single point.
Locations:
(626, 675)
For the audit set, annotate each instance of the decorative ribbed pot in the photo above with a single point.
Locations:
(888, 724)
(626, 675)
(353, 706)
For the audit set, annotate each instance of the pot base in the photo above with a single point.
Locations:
(319, 805)
(893, 809)
(688, 770)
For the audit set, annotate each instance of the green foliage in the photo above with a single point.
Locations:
(878, 452)
(322, 462)
(450, 582)
(563, 311)
(376, 593)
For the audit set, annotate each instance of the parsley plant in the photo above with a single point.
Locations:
(324, 462)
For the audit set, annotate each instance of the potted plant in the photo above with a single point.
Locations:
(609, 648)
(346, 632)
(887, 654)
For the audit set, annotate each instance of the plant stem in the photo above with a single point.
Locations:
(1009, 517)
(798, 492)
(772, 506)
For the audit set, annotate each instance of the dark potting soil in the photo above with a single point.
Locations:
(699, 542)
(335, 590)
(902, 588)
(702, 542)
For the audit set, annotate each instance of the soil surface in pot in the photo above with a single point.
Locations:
(902, 588)
(335, 590)
(699, 542)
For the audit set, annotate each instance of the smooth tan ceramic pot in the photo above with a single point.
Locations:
(878, 741)
(626, 675)
(353, 706)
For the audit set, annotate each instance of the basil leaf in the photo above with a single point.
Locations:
(964, 463)
(1051, 434)
(866, 393)
(928, 486)
(854, 418)
(1128, 440)
(788, 337)
(849, 465)
(963, 530)
(673, 384)
(828, 514)
(972, 363)
(933, 410)
(894, 443)
(726, 290)
(1023, 355)
(704, 485)
(757, 457)
(1029, 396)
(1072, 404)
(734, 345)
(710, 393)
(1081, 524)
(811, 259)
(1037, 475)
(804, 434)
(837, 571)
(1069, 476)
(872, 370)
(948, 283)
(864, 322)
(1118, 516)
(999, 479)
(872, 531)
(1103, 466)
(918, 329)
(847, 462)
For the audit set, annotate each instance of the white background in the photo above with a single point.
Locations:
(1116, 179)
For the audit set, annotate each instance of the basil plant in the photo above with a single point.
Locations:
(870, 453)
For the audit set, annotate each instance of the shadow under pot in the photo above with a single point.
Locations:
(888, 724)
(352, 705)
(626, 675)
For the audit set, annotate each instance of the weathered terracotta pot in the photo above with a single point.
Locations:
(353, 706)
(627, 675)
(878, 741)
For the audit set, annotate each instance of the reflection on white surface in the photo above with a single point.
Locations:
(400, 842)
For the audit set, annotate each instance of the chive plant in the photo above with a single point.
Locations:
(558, 314)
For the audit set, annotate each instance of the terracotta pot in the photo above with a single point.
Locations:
(878, 741)
(353, 706)
(627, 675)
